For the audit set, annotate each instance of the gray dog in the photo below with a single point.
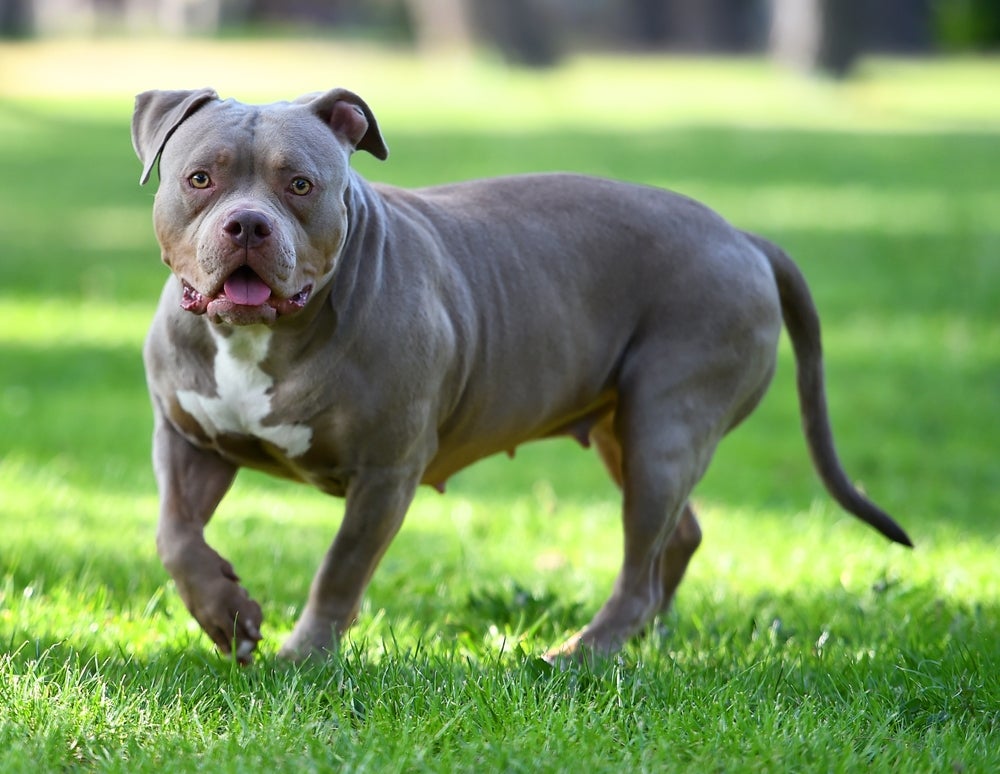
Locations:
(366, 339)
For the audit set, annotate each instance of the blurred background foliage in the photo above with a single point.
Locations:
(824, 36)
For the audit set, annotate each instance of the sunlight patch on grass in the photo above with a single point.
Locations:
(846, 208)
(919, 337)
(65, 322)
(87, 228)
(954, 89)
(77, 559)
(86, 615)
(762, 551)
(110, 227)
(101, 515)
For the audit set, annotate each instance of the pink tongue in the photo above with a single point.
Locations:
(245, 288)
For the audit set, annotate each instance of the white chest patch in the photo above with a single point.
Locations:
(243, 400)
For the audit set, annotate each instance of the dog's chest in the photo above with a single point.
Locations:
(242, 404)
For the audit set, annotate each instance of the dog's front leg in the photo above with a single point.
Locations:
(191, 483)
(377, 501)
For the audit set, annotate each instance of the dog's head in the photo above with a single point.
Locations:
(250, 212)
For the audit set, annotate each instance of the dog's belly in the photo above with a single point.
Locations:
(462, 446)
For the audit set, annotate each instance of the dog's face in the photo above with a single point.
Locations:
(250, 213)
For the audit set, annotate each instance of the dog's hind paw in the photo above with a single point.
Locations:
(311, 639)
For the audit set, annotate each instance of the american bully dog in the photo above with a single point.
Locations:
(366, 339)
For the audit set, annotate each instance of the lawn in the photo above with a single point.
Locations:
(801, 640)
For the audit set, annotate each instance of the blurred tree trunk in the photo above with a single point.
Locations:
(15, 19)
(817, 35)
(692, 22)
(902, 26)
(441, 25)
(648, 22)
(727, 26)
(179, 17)
(523, 30)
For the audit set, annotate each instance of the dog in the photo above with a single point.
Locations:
(367, 339)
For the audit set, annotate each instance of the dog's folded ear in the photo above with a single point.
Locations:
(350, 119)
(157, 114)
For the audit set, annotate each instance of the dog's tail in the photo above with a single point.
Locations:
(802, 322)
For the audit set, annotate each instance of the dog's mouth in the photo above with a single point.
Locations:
(244, 299)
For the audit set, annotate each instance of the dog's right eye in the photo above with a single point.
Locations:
(200, 180)
(300, 186)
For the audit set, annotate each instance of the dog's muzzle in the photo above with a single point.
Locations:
(244, 299)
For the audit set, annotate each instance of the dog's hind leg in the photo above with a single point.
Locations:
(657, 447)
(676, 555)
(685, 538)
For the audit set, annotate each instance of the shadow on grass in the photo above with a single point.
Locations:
(82, 401)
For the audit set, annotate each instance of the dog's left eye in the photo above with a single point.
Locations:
(300, 186)
(200, 180)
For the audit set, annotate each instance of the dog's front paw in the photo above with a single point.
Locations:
(212, 592)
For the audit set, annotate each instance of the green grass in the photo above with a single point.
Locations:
(801, 641)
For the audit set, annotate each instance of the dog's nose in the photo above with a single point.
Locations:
(248, 228)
